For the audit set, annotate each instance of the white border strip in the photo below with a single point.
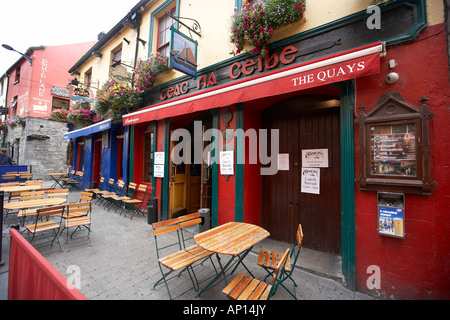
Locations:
(316, 65)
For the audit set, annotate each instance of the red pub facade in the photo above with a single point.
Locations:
(318, 97)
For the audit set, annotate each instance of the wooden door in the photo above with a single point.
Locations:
(178, 184)
(284, 205)
(194, 187)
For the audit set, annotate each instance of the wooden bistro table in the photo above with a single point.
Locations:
(235, 239)
(57, 176)
(29, 187)
(28, 204)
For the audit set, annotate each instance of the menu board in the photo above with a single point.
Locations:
(393, 150)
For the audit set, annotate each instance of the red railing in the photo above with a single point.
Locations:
(32, 277)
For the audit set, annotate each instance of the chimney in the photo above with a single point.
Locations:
(101, 35)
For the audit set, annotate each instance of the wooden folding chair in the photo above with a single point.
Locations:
(179, 260)
(269, 260)
(58, 193)
(112, 197)
(9, 177)
(77, 215)
(77, 180)
(245, 287)
(33, 182)
(108, 189)
(70, 176)
(131, 193)
(24, 176)
(99, 188)
(25, 196)
(40, 226)
(86, 196)
(135, 205)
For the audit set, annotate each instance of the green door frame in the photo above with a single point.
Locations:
(347, 92)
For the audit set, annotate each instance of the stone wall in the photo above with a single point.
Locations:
(44, 149)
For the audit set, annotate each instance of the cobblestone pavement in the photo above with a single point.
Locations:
(121, 264)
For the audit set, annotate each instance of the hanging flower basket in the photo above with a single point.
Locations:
(60, 115)
(15, 121)
(81, 114)
(113, 100)
(147, 70)
(252, 28)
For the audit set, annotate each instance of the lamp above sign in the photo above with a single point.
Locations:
(183, 53)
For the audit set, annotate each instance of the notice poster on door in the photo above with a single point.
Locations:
(310, 180)
(315, 158)
(158, 171)
(158, 167)
(159, 158)
(226, 163)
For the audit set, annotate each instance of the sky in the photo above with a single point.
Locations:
(32, 23)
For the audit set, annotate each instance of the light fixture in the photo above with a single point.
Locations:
(7, 47)
(96, 54)
(392, 77)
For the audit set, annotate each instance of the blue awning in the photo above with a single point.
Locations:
(96, 127)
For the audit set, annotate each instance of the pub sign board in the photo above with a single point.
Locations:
(183, 53)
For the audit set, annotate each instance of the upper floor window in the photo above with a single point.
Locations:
(116, 57)
(14, 106)
(164, 24)
(59, 103)
(17, 78)
(88, 78)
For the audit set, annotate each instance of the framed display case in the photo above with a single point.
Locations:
(394, 146)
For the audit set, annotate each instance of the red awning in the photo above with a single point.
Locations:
(351, 64)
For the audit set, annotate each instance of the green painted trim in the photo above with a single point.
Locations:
(348, 182)
(239, 166)
(165, 184)
(238, 5)
(131, 165)
(215, 173)
(420, 23)
(155, 129)
(152, 21)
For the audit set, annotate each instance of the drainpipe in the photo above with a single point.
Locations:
(138, 32)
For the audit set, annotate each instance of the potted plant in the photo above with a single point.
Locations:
(81, 114)
(252, 28)
(147, 70)
(114, 99)
(249, 30)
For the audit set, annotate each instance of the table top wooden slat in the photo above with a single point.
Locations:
(21, 188)
(18, 205)
(231, 238)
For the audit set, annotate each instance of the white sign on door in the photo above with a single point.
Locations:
(311, 180)
(315, 158)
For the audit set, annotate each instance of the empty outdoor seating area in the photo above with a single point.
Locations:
(57, 217)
